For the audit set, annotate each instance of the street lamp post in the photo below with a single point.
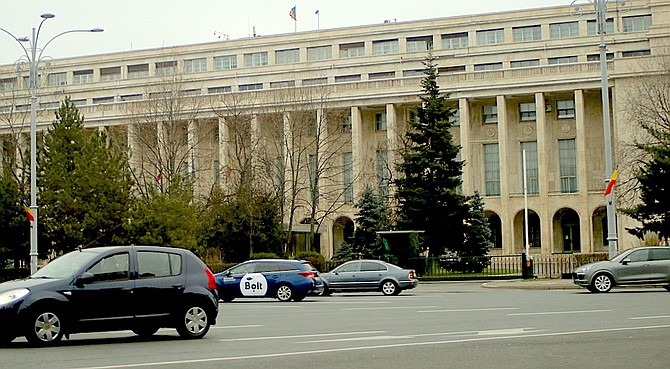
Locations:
(34, 55)
(601, 21)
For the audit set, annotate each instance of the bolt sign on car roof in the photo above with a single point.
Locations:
(282, 279)
(137, 288)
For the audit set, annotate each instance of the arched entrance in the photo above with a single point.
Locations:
(343, 229)
(566, 231)
(496, 228)
(534, 231)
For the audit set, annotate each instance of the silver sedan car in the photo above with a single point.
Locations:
(368, 275)
(633, 267)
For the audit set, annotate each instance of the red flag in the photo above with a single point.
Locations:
(29, 213)
(610, 184)
(292, 14)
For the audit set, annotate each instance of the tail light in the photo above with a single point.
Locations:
(307, 274)
(411, 275)
(211, 280)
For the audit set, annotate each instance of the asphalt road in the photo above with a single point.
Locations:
(452, 325)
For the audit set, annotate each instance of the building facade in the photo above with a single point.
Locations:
(331, 106)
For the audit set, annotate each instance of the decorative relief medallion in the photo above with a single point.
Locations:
(491, 132)
(527, 130)
(565, 128)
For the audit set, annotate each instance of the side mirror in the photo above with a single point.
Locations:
(84, 279)
(625, 261)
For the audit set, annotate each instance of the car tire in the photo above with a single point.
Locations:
(326, 291)
(284, 293)
(145, 331)
(45, 327)
(298, 298)
(390, 288)
(602, 283)
(194, 322)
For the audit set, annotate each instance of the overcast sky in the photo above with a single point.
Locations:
(145, 24)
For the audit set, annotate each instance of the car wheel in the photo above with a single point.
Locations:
(145, 331)
(45, 327)
(326, 291)
(194, 323)
(284, 293)
(390, 288)
(298, 298)
(602, 283)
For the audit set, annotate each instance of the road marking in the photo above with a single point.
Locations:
(390, 308)
(494, 332)
(299, 336)
(561, 312)
(650, 317)
(235, 326)
(465, 310)
(372, 347)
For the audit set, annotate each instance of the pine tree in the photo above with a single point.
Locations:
(428, 195)
(84, 187)
(477, 237)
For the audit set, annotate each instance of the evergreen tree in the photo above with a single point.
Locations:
(373, 215)
(477, 237)
(428, 195)
(84, 187)
(14, 225)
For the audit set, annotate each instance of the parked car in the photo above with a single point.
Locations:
(633, 267)
(369, 275)
(282, 279)
(138, 288)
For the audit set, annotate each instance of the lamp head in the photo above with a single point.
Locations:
(47, 15)
(23, 39)
(97, 29)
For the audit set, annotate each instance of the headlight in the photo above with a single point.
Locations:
(13, 295)
(582, 270)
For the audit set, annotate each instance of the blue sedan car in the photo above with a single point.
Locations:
(282, 279)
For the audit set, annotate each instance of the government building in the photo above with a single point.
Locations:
(319, 116)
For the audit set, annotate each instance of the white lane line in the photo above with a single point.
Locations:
(650, 317)
(465, 310)
(494, 332)
(390, 308)
(372, 347)
(300, 336)
(235, 326)
(561, 312)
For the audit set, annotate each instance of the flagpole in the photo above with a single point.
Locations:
(318, 20)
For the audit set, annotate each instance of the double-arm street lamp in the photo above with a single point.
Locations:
(33, 55)
(601, 21)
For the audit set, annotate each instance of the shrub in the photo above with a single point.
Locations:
(264, 255)
(316, 259)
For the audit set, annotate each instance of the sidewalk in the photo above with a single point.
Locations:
(533, 284)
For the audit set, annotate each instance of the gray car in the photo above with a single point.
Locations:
(633, 267)
(368, 275)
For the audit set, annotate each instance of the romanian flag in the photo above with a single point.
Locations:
(292, 14)
(610, 184)
(29, 213)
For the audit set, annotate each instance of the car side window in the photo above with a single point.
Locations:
(243, 268)
(370, 266)
(266, 267)
(659, 254)
(111, 268)
(352, 267)
(153, 264)
(285, 267)
(637, 256)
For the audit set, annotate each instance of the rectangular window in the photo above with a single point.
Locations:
(628, 54)
(287, 56)
(488, 66)
(314, 81)
(381, 75)
(346, 125)
(592, 27)
(196, 65)
(258, 59)
(380, 122)
(413, 73)
(565, 109)
(491, 170)
(564, 30)
(529, 33)
(525, 63)
(103, 100)
(219, 90)
(527, 111)
(138, 71)
(490, 37)
(352, 50)
(348, 78)
(450, 70)
(225, 62)
(383, 172)
(82, 76)
(348, 177)
(563, 60)
(419, 44)
(132, 97)
(455, 40)
(251, 87)
(567, 156)
(596, 57)
(455, 118)
(110, 74)
(490, 113)
(57, 79)
(385, 47)
(282, 84)
(166, 68)
(532, 167)
(319, 53)
(636, 23)
(7, 84)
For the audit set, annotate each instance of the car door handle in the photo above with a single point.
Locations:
(177, 286)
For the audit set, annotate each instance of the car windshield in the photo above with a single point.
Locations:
(621, 256)
(65, 266)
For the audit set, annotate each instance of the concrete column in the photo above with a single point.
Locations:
(357, 150)
(225, 168)
(585, 225)
(192, 139)
(392, 143)
(503, 151)
(133, 149)
(543, 149)
(288, 154)
(255, 136)
(466, 147)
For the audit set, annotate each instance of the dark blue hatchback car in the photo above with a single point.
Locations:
(282, 279)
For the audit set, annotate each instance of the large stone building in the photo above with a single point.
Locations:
(524, 80)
